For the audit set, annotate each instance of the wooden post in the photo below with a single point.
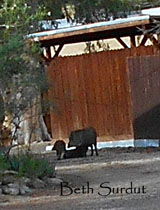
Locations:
(158, 35)
(48, 53)
(133, 41)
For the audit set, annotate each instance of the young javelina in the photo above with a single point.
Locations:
(76, 153)
(84, 137)
(60, 148)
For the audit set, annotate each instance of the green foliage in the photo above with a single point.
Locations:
(55, 7)
(1, 110)
(16, 56)
(4, 164)
(10, 58)
(29, 166)
(22, 75)
(18, 15)
(87, 11)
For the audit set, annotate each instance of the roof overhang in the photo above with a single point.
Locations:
(95, 31)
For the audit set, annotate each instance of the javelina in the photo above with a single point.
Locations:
(84, 137)
(76, 153)
(60, 148)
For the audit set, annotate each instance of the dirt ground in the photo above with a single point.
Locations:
(100, 183)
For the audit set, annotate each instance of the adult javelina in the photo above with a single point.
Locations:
(84, 137)
(76, 153)
(60, 148)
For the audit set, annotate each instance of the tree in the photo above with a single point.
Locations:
(88, 11)
(22, 75)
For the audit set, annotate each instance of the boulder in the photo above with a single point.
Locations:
(37, 183)
(10, 190)
(8, 176)
(53, 182)
(14, 185)
(10, 172)
(7, 179)
(24, 189)
(25, 181)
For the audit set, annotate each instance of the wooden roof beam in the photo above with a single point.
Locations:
(143, 41)
(122, 42)
(48, 55)
(154, 41)
(58, 51)
(90, 30)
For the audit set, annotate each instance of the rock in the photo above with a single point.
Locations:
(25, 181)
(13, 191)
(54, 174)
(14, 185)
(53, 181)
(10, 172)
(5, 189)
(37, 184)
(8, 176)
(10, 191)
(24, 189)
(11, 184)
(7, 179)
(16, 189)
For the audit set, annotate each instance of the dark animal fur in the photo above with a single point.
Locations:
(60, 148)
(84, 137)
(76, 153)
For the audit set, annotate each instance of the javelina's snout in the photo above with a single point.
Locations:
(60, 148)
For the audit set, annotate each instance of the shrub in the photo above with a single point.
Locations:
(4, 163)
(29, 166)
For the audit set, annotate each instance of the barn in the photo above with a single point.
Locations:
(115, 91)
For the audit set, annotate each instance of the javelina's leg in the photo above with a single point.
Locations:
(62, 155)
(85, 152)
(91, 150)
(58, 155)
(96, 149)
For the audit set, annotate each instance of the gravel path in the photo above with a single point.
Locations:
(99, 183)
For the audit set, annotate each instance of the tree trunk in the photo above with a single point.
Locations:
(28, 125)
(32, 126)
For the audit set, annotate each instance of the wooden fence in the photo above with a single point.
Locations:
(144, 74)
(93, 90)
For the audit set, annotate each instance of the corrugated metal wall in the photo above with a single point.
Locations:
(92, 90)
(145, 93)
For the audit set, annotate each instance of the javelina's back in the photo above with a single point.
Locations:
(84, 137)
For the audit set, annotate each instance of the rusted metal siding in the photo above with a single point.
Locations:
(144, 74)
(92, 90)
